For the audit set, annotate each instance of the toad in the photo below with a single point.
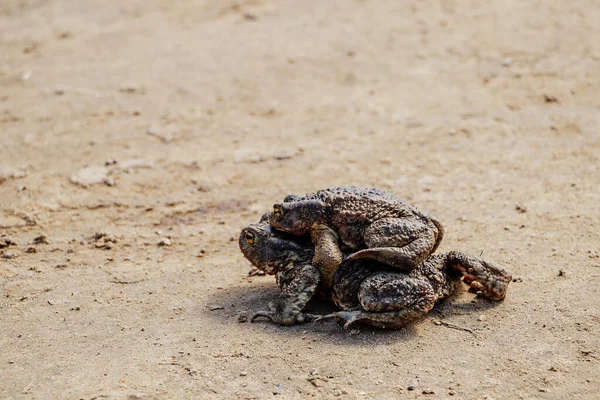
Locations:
(365, 291)
(370, 223)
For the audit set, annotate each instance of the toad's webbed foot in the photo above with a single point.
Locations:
(287, 321)
(347, 317)
(279, 317)
(268, 314)
(390, 319)
(298, 285)
(487, 277)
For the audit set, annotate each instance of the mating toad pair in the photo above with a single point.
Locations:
(366, 250)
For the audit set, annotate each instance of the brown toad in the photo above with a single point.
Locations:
(366, 291)
(373, 224)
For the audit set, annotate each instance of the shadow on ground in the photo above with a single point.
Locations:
(228, 305)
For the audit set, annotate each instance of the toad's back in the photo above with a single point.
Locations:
(369, 204)
(353, 209)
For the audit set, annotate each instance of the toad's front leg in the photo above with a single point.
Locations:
(328, 255)
(298, 284)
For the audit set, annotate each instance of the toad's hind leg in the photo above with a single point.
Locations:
(390, 300)
(492, 279)
(403, 244)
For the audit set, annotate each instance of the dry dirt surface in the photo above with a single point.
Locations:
(138, 137)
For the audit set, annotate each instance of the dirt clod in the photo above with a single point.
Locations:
(6, 242)
(104, 241)
(243, 317)
(41, 239)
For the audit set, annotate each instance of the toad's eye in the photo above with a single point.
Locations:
(250, 237)
(277, 212)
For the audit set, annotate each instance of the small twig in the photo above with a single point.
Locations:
(458, 328)
(123, 282)
(27, 388)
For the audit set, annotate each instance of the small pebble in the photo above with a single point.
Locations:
(98, 236)
(40, 240)
(243, 373)
(164, 242)
(109, 181)
(411, 388)
(106, 246)
(481, 318)
(30, 250)
(428, 391)
(243, 317)
(562, 273)
(8, 256)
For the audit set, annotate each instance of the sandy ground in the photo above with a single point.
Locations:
(178, 123)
